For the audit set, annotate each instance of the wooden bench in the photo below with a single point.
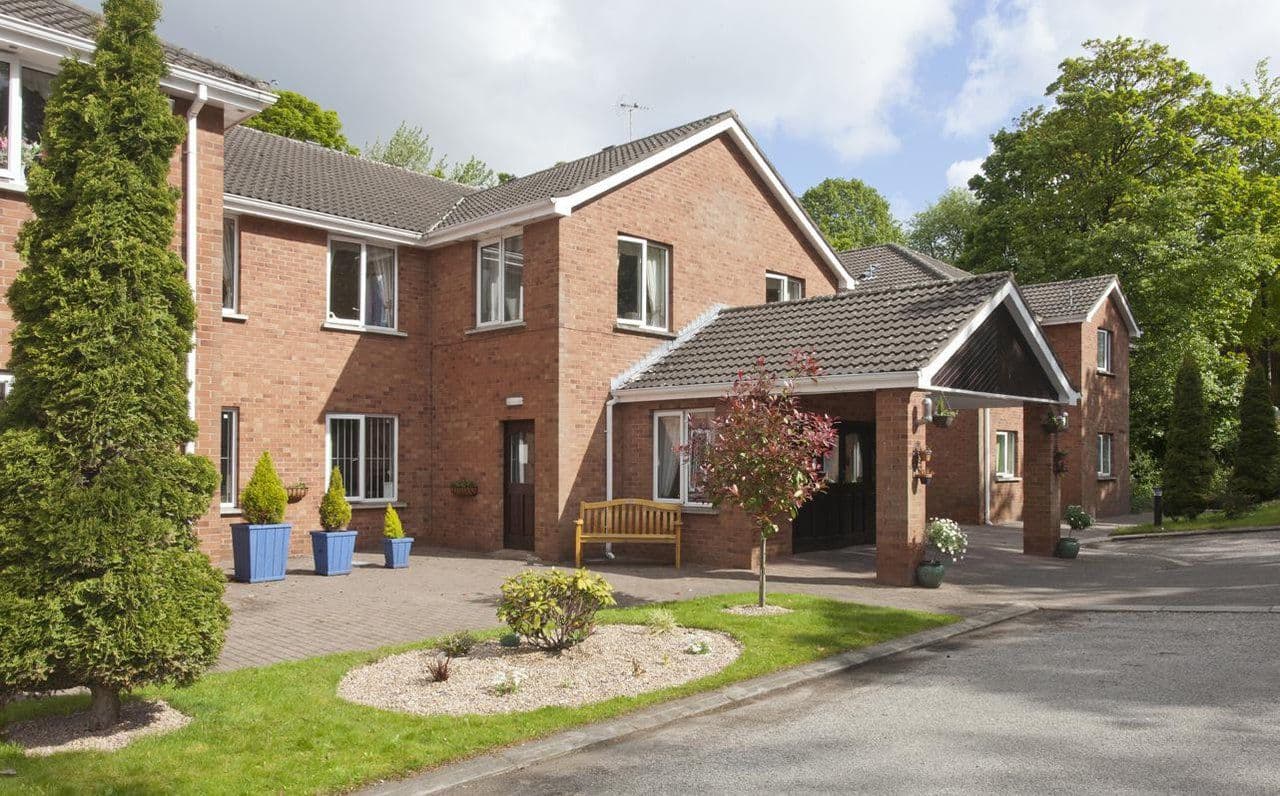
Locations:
(628, 520)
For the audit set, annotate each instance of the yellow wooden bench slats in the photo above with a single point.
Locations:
(627, 520)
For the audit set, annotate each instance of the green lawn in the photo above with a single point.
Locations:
(1266, 514)
(282, 728)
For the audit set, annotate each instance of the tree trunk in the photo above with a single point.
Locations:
(104, 710)
(763, 547)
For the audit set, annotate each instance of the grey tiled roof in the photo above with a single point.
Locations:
(859, 332)
(891, 265)
(1069, 299)
(70, 18)
(566, 178)
(298, 174)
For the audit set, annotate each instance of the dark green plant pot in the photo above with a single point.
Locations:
(929, 574)
(1068, 547)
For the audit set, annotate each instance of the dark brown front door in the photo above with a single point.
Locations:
(517, 526)
(844, 514)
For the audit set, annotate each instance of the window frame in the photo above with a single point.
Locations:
(1011, 451)
(360, 324)
(785, 292)
(359, 497)
(1108, 349)
(6, 386)
(642, 323)
(15, 171)
(501, 240)
(234, 309)
(1110, 447)
(233, 459)
(684, 462)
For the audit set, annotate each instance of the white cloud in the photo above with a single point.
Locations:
(1018, 44)
(522, 85)
(959, 172)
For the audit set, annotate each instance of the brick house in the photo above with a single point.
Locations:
(551, 337)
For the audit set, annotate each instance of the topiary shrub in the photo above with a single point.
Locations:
(264, 496)
(1077, 518)
(391, 527)
(335, 511)
(554, 610)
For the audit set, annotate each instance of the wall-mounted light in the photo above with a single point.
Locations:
(515, 400)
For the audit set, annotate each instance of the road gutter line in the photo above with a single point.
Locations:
(514, 758)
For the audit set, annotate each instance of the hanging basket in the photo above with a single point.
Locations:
(944, 421)
(464, 489)
(296, 492)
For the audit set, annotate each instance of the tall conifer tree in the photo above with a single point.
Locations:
(1188, 462)
(101, 581)
(1259, 447)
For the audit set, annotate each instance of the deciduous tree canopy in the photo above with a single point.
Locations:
(851, 213)
(295, 116)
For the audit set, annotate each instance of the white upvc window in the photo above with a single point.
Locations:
(363, 282)
(500, 281)
(230, 265)
(6, 385)
(675, 474)
(644, 284)
(779, 287)
(1104, 351)
(1105, 461)
(364, 449)
(23, 94)
(1006, 454)
(229, 458)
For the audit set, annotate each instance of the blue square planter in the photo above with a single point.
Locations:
(259, 552)
(396, 552)
(333, 551)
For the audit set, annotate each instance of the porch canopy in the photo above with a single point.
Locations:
(972, 340)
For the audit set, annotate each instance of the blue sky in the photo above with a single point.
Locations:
(900, 93)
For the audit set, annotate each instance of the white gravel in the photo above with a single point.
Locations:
(618, 660)
(50, 735)
(756, 610)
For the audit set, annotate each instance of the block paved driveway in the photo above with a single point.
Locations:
(308, 615)
(1054, 702)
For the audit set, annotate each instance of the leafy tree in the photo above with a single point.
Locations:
(763, 453)
(295, 116)
(940, 230)
(410, 148)
(101, 581)
(1132, 169)
(851, 214)
(1258, 449)
(505, 177)
(1188, 463)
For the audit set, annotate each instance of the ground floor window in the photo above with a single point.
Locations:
(1006, 454)
(363, 448)
(675, 475)
(229, 457)
(1105, 443)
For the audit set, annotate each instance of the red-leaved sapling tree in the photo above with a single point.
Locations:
(762, 451)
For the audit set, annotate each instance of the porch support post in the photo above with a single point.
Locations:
(1041, 491)
(900, 497)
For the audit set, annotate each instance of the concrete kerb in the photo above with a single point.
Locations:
(1133, 537)
(521, 756)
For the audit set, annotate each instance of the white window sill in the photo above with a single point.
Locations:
(1007, 479)
(1102, 477)
(360, 505)
(689, 508)
(358, 329)
(10, 184)
(1102, 372)
(496, 327)
(232, 315)
(229, 511)
(651, 331)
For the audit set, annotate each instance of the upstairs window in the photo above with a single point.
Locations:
(644, 279)
(1104, 351)
(500, 281)
(23, 94)
(363, 448)
(1105, 463)
(230, 265)
(362, 284)
(1006, 454)
(778, 287)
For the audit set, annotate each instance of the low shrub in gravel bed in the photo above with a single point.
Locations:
(283, 728)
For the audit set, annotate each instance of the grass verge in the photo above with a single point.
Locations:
(1267, 514)
(282, 728)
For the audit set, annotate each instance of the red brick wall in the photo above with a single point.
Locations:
(956, 489)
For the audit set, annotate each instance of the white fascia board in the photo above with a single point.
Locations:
(515, 217)
(1114, 289)
(1010, 297)
(243, 205)
(28, 38)
(868, 382)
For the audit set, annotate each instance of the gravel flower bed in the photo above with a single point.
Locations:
(618, 660)
(756, 610)
(71, 732)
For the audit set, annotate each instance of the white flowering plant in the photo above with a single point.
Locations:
(944, 537)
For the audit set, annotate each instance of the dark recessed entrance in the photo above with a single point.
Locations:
(845, 514)
(517, 498)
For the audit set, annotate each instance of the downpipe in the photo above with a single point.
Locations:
(192, 231)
